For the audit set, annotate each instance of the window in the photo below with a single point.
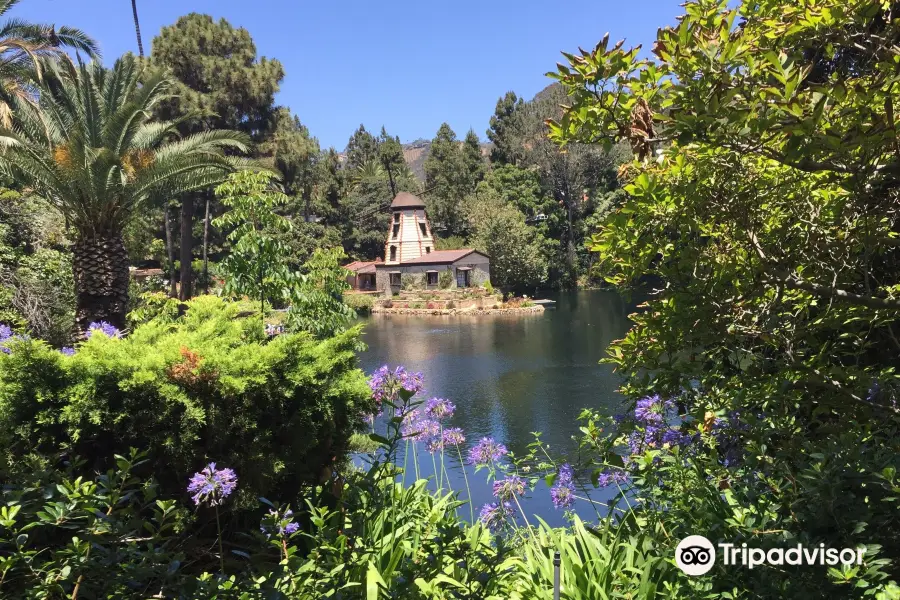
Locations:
(395, 279)
(396, 217)
(462, 277)
(422, 227)
(432, 277)
(427, 249)
(393, 253)
(395, 231)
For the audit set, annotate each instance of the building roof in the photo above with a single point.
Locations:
(359, 266)
(439, 257)
(407, 200)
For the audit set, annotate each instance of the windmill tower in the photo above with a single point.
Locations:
(409, 236)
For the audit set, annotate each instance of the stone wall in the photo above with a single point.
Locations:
(414, 276)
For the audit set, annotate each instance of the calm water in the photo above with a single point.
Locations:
(510, 376)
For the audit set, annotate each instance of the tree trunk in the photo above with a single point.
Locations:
(137, 28)
(170, 251)
(187, 247)
(206, 248)
(100, 267)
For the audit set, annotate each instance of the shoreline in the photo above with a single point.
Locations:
(475, 312)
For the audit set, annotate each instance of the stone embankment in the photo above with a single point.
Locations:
(474, 312)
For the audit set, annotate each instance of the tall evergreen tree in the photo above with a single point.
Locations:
(473, 165)
(362, 148)
(390, 153)
(505, 131)
(443, 182)
(221, 85)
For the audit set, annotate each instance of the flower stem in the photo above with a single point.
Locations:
(221, 553)
(462, 466)
(435, 471)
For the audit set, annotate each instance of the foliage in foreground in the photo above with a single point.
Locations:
(764, 198)
(114, 536)
(207, 385)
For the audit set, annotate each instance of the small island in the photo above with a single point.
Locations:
(414, 278)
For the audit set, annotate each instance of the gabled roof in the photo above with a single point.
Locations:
(407, 200)
(440, 257)
(359, 266)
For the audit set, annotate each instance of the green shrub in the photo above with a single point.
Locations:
(488, 287)
(361, 303)
(207, 385)
(445, 279)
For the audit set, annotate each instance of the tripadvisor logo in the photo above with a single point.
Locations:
(695, 555)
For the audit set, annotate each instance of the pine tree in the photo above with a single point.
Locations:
(444, 182)
(362, 148)
(505, 130)
(221, 85)
(473, 166)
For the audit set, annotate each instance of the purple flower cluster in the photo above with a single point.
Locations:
(509, 488)
(283, 523)
(453, 437)
(439, 409)
(495, 515)
(386, 384)
(486, 452)
(104, 328)
(67, 351)
(6, 335)
(563, 493)
(212, 485)
(612, 477)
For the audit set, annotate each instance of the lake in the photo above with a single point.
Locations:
(510, 376)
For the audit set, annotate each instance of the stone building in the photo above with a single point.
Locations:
(410, 259)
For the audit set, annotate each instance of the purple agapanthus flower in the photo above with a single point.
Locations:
(566, 474)
(494, 515)
(611, 477)
(453, 437)
(507, 489)
(5, 332)
(562, 495)
(386, 384)
(420, 430)
(67, 350)
(486, 451)
(212, 485)
(652, 410)
(439, 409)
(103, 327)
(283, 523)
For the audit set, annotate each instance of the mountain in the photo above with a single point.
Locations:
(416, 152)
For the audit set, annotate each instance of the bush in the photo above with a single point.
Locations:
(488, 287)
(361, 303)
(207, 384)
(445, 279)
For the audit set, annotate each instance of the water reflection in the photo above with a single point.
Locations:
(510, 375)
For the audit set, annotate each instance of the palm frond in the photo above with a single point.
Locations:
(6, 5)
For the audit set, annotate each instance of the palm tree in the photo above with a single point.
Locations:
(89, 146)
(137, 28)
(22, 45)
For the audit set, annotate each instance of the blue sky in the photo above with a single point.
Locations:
(407, 65)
